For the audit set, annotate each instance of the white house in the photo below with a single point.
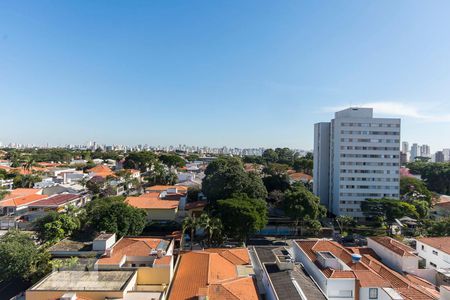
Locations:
(435, 251)
(344, 275)
(394, 254)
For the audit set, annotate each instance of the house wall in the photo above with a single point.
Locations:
(153, 276)
(393, 260)
(382, 295)
(92, 295)
(439, 258)
(310, 267)
(342, 289)
(162, 214)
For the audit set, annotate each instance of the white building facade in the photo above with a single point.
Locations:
(356, 157)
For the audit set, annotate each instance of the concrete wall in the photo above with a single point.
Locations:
(439, 258)
(310, 267)
(342, 289)
(98, 295)
(161, 214)
(153, 276)
(393, 260)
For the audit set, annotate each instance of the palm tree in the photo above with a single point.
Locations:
(29, 163)
(212, 227)
(188, 223)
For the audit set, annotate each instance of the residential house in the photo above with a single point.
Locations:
(151, 256)
(60, 202)
(214, 274)
(279, 277)
(101, 170)
(89, 285)
(345, 275)
(157, 209)
(18, 200)
(435, 251)
(394, 254)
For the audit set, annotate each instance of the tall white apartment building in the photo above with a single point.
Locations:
(356, 157)
(414, 152)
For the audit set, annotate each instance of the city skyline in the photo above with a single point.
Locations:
(235, 74)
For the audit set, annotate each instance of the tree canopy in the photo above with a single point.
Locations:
(56, 226)
(300, 204)
(414, 189)
(435, 175)
(20, 257)
(226, 176)
(172, 160)
(390, 209)
(114, 215)
(142, 160)
(242, 216)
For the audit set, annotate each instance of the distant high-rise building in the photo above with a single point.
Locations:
(439, 156)
(403, 158)
(446, 154)
(405, 147)
(414, 152)
(425, 151)
(356, 157)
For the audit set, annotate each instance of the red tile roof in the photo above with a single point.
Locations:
(394, 245)
(20, 197)
(368, 273)
(440, 243)
(212, 273)
(300, 176)
(130, 246)
(102, 171)
(56, 200)
(151, 201)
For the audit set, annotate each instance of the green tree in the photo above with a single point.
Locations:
(112, 214)
(213, 228)
(189, 223)
(435, 175)
(25, 181)
(193, 157)
(56, 226)
(20, 257)
(285, 156)
(161, 175)
(414, 189)
(270, 156)
(242, 216)
(143, 160)
(390, 209)
(301, 205)
(172, 160)
(226, 176)
(304, 165)
(345, 222)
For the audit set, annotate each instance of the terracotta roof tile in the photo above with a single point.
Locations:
(147, 201)
(212, 273)
(56, 200)
(394, 245)
(130, 246)
(440, 243)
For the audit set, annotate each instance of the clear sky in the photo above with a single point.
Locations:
(236, 73)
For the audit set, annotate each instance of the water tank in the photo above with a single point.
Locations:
(356, 258)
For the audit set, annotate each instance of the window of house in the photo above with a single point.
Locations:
(133, 265)
(141, 265)
(423, 247)
(435, 252)
(373, 293)
(433, 264)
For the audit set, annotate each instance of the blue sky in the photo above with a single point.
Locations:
(235, 73)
